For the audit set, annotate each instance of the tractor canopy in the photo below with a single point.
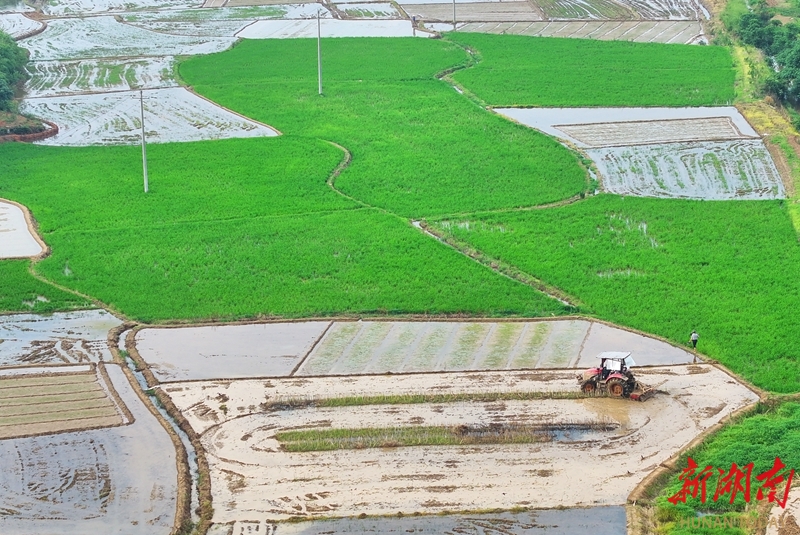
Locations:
(615, 360)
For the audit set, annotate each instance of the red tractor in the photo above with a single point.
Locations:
(614, 377)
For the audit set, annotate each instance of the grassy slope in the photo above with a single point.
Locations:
(237, 228)
(666, 267)
(525, 71)
(419, 149)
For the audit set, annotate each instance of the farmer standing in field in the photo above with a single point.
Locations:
(693, 338)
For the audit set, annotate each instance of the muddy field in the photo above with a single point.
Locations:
(17, 239)
(62, 400)
(60, 338)
(683, 32)
(609, 520)
(253, 478)
(97, 481)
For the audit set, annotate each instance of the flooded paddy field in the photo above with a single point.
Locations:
(94, 481)
(171, 115)
(374, 347)
(18, 25)
(254, 479)
(688, 153)
(661, 31)
(231, 351)
(19, 240)
(64, 337)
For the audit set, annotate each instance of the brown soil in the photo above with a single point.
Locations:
(12, 123)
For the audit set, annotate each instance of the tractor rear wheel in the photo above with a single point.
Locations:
(615, 387)
(589, 387)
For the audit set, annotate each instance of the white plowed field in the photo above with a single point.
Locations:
(104, 37)
(53, 78)
(291, 29)
(16, 24)
(171, 115)
(253, 478)
(16, 239)
(689, 153)
(121, 480)
(63, 337)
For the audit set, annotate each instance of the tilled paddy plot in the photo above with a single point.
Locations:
(56, 402)
(691, 153)
(349, 348)
(253, 477)
(658, 31)
(61, 338)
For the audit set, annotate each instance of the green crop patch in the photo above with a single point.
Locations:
(20, 292)
(350, 261)
(667, 267)
(545, 71)
(419, 148)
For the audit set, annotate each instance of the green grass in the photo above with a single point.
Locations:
(392, 437)
(774, 432)
(20, 292)
(419, 148)
(547, 71)
(667, 267)
(238, 228)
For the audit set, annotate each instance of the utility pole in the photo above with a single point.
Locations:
(454, 15)
(144, 143)
(319, 53)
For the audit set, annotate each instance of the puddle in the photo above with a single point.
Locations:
(609, 520)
